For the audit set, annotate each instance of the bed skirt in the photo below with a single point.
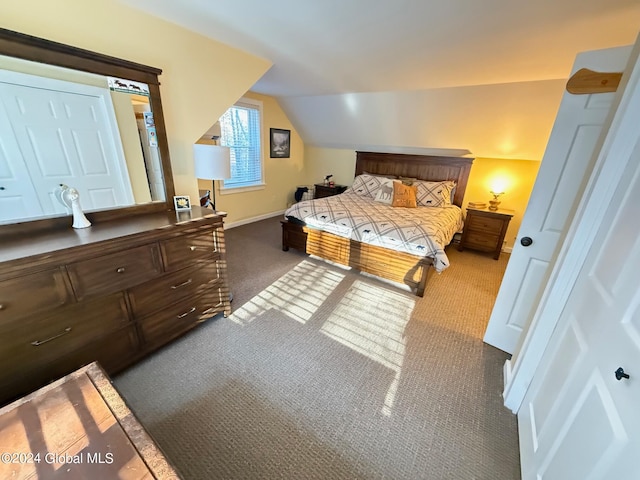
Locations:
(398, 267)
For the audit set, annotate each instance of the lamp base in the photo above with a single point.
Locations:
(493, 205)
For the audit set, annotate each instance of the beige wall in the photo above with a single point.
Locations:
(130, 137)
(282, 175)
(201, 77)
(517, 176)
(341, 163)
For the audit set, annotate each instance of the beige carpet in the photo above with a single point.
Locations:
(325, 373)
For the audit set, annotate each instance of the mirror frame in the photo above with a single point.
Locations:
(27, 47)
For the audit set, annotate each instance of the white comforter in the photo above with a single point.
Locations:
(423, 231)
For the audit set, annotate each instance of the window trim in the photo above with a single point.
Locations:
(258, 105)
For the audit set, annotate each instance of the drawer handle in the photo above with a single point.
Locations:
(2, 307)
(193, 248)
(37, 343)
(120, 270)
(182, 284)
(193, 309)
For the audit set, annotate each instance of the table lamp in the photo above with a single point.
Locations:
(212, 162)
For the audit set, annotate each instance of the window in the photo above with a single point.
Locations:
(241, 131)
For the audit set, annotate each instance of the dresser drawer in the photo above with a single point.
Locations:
(40, 339)
(181, 252)
(485, 224)
(482, 241)
(160, 327)
(113, 352)
(33, 293)
(171, 288)
(116, 271)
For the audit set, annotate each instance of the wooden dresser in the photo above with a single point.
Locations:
(110, 293)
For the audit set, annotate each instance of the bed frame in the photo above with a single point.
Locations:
(411, 270)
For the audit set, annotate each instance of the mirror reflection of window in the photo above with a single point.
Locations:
(63, 126)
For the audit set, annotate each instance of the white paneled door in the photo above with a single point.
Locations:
(565, 167)
(18, 198)
(580, 418)
(66, 133)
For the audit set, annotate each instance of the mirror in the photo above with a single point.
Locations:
(83, 119)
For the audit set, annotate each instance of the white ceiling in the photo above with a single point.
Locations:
(344, 46)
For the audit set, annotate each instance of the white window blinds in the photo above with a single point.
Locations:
(240, 129)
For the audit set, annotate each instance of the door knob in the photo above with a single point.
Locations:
(620, 374)
(526, 241)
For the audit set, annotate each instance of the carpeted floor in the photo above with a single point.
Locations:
(323, 373)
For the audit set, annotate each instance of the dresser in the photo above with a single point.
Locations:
(484, 230)
(112, 293)
(321, 190)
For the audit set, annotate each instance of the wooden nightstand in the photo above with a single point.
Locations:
(484, 230)
(322, 190)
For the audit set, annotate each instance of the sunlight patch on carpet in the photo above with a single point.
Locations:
(371, 320)
(298, 294)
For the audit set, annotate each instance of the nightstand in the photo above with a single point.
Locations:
(322, 190)
(484, 230)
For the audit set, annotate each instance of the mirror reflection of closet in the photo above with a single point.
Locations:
(62, 126)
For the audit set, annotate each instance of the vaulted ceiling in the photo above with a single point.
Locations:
(346, 46)
(343, 47)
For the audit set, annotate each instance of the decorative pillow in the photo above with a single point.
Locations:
(404, 195)
(434, 194)
(385, 193)
(367, 185)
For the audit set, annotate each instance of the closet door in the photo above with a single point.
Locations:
(566, 165)
(18, 198)
(580, 418)
(67, 134)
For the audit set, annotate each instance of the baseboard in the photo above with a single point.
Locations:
(246, 221)
(506, 372)
(507, 249)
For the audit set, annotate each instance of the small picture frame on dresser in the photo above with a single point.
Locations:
(182, 203)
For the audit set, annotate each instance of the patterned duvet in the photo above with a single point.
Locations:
(423, 231)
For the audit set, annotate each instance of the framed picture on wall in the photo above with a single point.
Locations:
(280, 143)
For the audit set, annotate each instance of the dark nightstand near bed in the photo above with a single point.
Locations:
(322, 190)
(77, 427)
(484, 230)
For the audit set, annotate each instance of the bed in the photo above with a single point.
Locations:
(352, 241)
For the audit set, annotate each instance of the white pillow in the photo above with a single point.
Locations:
(367, 185)
(434, 194)
(385, 192)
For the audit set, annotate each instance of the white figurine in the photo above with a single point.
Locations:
(70, 198)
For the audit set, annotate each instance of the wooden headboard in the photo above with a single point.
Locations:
(423, 167)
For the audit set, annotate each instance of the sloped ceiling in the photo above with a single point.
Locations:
(419, 66)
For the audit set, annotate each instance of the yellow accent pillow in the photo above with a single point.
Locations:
(404, 195)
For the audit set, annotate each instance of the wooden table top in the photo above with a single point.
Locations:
(77, 428)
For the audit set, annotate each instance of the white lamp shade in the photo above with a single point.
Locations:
(212, 162)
